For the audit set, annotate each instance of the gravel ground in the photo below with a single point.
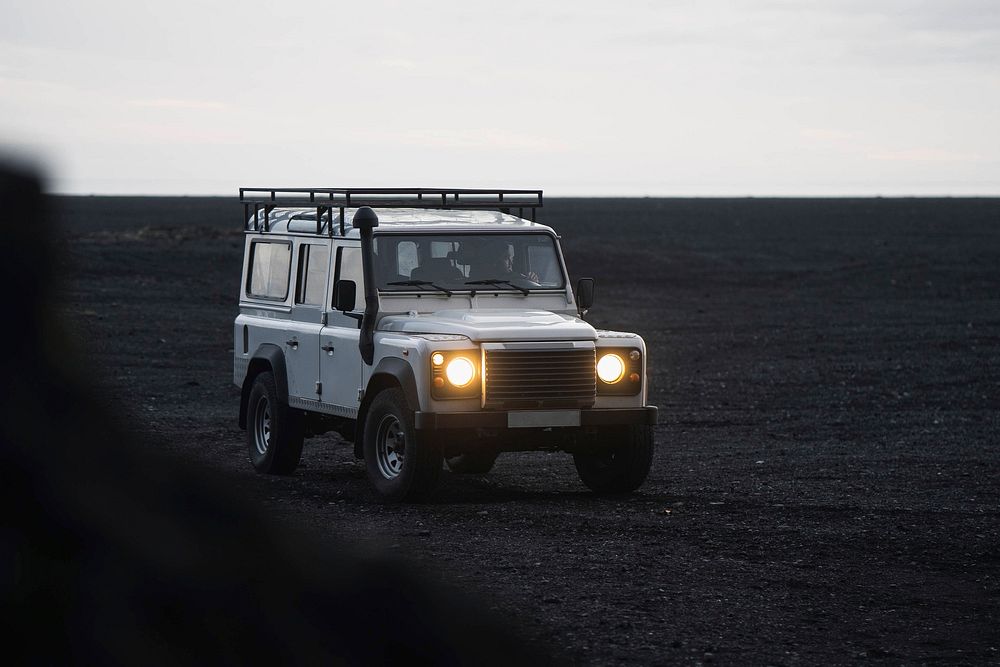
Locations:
(826, 485)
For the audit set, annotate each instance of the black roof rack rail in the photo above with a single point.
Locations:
(327, 199)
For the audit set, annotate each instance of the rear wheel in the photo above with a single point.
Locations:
(400, 465)
(472, 463)
(618, 461)
(274, 432)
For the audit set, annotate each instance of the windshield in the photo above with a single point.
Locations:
(481, 262)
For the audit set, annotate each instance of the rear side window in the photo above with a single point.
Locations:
(314, 261)
(270, 264)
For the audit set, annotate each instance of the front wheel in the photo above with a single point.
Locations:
(618, 461)
(400, 465)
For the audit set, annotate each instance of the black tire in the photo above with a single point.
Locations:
(274, 431)
(401, 465)
(472, 463)
(618, 462)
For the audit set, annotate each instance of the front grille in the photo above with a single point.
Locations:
(526, 379)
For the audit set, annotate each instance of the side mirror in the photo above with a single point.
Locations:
(345, 293)
(584, 295)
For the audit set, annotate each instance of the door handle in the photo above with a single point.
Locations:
(294, 344)
(328, 348)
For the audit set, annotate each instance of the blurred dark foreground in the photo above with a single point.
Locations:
(113, 553)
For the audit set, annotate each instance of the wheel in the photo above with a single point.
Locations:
(401, 465)
(274, 432)
(619, 462)
(472, 463)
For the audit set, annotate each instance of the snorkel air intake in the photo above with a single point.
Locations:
(365, 221)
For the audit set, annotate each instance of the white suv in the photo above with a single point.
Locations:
(428, 325)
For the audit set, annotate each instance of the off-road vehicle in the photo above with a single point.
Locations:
(428, 326)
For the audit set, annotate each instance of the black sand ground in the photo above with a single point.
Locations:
(826, 486)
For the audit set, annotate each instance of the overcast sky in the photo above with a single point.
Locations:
(579, 98)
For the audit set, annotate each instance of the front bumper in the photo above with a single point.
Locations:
(433, 421)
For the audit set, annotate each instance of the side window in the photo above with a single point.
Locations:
(349, 268)
(270, 264)
(314, 261)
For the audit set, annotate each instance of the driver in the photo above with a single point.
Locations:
(495, 261)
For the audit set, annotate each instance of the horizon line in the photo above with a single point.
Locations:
(995, 195)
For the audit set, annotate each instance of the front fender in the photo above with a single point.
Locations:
(389, 372)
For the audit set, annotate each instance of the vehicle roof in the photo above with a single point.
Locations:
(303, 221)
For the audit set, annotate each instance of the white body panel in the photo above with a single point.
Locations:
(340, 370)
(302, 356)
(493, 324)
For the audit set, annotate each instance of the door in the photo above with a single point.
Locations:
(340, 359)
(302, 353)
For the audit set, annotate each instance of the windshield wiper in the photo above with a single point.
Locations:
(420, 283)
(497, 281)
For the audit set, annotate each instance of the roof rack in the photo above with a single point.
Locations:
(326, 199)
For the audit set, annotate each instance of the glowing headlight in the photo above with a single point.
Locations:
(610, 368)
(460, 371)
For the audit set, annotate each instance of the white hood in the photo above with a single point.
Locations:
(493, 325)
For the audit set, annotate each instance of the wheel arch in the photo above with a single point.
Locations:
(267, 357)
(390, 372)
